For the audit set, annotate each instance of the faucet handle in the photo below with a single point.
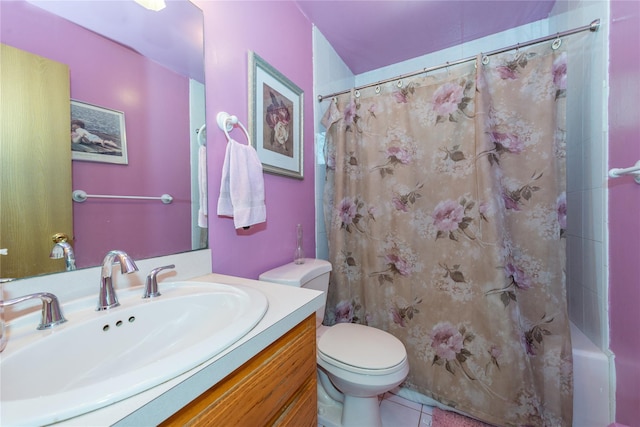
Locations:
(51, 314)
(151, 284)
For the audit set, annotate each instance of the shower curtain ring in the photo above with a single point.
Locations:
(399, 82)
(556, 43)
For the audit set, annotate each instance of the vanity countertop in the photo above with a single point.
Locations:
(288, 306)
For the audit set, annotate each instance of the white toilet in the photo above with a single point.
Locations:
(356, 362)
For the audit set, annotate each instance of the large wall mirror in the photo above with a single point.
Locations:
(146, 69)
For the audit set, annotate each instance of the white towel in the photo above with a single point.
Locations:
(242, 186)
(202, 185)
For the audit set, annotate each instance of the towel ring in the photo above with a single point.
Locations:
(201, 132)
(226, 122)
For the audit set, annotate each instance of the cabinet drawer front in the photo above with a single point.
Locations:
(260, 390)
(302, 411)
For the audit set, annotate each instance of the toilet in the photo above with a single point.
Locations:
(356, 363)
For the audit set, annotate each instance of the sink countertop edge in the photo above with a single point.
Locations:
(288, 306)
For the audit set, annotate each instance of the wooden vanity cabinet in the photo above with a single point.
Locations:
(275, 387)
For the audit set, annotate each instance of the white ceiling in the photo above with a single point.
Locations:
(369, 34)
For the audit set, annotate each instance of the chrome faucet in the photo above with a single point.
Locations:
(107, 297)
(64, 250)
(151, 284)
(51, 312)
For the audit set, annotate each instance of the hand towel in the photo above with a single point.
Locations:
(242, 186)
(202, 186)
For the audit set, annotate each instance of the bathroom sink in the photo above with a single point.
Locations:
(101, 357)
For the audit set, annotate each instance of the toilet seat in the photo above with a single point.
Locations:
(361, 349)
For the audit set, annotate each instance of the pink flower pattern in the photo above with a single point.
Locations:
(446, 98)
(506, 73)
(448, 215)
(344, 312)
(560, 72)
(517, 279)
(350, 217)
(382, 228)
(348, 211)
(395, 156)
(508, 142)
(451, 218)
(561, 207)
(402, 315)
(446, 340)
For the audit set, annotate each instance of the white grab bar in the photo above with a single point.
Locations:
(633, 170)
(81, 196)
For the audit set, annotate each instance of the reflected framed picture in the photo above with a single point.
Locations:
(275, 119)
(97, 134)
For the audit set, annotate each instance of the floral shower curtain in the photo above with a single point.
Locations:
(445, 210)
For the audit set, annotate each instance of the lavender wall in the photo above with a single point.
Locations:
(280, 35)
(157, 122)
(624, 207)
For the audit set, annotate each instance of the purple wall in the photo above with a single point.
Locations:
(280, 35)
(233, 28)
(624, 207)
(157, 122)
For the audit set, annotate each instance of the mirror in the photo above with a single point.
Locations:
(148, 68)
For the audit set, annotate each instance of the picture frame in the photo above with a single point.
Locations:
(275, 119)
(97, 134)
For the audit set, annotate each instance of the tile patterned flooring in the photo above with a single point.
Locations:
(396, 411)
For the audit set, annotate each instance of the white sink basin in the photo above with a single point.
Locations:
(98, 358)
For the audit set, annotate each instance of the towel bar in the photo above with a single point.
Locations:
(81, 196)
(633, 170)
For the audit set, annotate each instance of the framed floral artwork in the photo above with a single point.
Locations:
(97, 134)
(275, 119)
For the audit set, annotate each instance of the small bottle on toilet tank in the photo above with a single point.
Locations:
(298, 255)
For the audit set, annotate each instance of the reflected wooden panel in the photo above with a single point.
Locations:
(35, 161)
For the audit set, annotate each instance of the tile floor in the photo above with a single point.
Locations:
(396, 411)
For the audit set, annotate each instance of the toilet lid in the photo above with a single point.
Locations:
(361, 346)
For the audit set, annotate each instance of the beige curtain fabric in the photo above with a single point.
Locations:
(445, 209)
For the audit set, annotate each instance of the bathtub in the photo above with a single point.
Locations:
(590, 382)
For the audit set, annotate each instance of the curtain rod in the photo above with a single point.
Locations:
(593, 27)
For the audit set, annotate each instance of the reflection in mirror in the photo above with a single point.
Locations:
(161, 97)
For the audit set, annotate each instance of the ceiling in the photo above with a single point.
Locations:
(366, 34)
(371, 34)
(172, 37)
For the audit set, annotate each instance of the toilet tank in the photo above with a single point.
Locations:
(313, 274)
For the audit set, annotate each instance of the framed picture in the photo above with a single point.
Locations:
(97, 134)
(275, 119)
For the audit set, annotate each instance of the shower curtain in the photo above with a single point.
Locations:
(445, 212)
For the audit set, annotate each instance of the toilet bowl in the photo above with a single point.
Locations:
(356, 363)
(361, 362)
